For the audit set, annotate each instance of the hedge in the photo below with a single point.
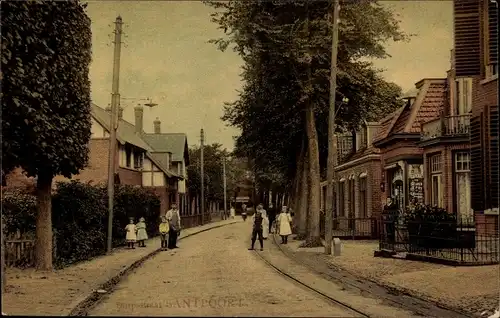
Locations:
(80, 217)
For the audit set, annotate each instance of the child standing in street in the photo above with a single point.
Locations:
(131, 233)
(142, 235)
(164, 228)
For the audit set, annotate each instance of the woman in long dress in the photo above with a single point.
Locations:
(283, 223)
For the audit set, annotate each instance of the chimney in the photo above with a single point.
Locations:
(120, 113)
(139, 114)
(157, 126)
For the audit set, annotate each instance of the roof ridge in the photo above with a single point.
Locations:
(417, 104)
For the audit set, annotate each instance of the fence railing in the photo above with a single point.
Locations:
(447, 126)
(352, 228)
(453, 243)
(188, 221)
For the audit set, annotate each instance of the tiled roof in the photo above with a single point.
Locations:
(427, 106)
(125, 131)
(126, 134)
(175, 143)
(387, 123)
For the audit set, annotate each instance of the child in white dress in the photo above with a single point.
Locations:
(142, 235)
(131, 234)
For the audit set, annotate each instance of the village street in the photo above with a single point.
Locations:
(213, 274)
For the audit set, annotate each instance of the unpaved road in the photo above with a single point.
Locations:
(213, 274)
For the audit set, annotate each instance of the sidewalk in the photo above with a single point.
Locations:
(470, 289)
(56, 293)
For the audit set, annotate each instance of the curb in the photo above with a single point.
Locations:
(82, 305)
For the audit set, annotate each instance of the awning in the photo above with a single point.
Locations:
(342, 180)
(351, 177)
(363, 175)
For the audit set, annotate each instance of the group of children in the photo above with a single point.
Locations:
(137, 233)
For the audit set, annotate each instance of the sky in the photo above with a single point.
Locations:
(166, 57)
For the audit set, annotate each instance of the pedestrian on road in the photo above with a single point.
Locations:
(284, 220)
(174, 220)
(164, 228)
(142, 235)
(244, 212)
(232, 212)
(131, 236)
(265, 221)
(271, 214)
(257, 220)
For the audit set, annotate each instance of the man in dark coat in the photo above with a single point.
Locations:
(271, 214)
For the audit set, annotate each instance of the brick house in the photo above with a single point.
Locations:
(137, 162)
(173, 147)
(476, 60)
(402, 163)
(446, 151)
(358, 180)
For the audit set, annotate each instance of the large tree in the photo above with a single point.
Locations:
(286, 49)
(213, 156)
(46, 52)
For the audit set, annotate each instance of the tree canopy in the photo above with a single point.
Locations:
(278, 41)
(46, 52)
(213, 156)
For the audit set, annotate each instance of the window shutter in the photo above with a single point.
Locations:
(493, 156)
(476, 162)
(467, 38)
(492, 30)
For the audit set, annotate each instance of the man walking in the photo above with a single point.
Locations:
(271, 214)
(257, 229)
(174, 220)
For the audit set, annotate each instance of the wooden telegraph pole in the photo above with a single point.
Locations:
(332, 140)
(202, 176)
(225, 184)
(115, 101)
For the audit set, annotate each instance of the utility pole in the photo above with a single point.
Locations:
(332, 140)
(115, 101)
(225, 185)
(202, 175)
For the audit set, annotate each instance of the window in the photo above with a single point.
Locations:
(341, 211)
(137, 160)
(436, 175)
(128, 156)
(463, 97)
(363, 198)
(463, 188)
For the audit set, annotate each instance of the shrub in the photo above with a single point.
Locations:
(18, 212)
(79, 220)
(80, 217)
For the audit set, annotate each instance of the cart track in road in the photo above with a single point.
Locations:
(314, 290)
(407, 302)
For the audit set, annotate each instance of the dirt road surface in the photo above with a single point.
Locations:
(213, 274)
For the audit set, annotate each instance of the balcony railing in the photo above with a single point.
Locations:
(446, 126)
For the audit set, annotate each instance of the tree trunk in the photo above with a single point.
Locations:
(43, 244)
(303, 198)
(313, 232)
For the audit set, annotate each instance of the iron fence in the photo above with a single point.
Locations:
(462, 242)
(365, 228)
